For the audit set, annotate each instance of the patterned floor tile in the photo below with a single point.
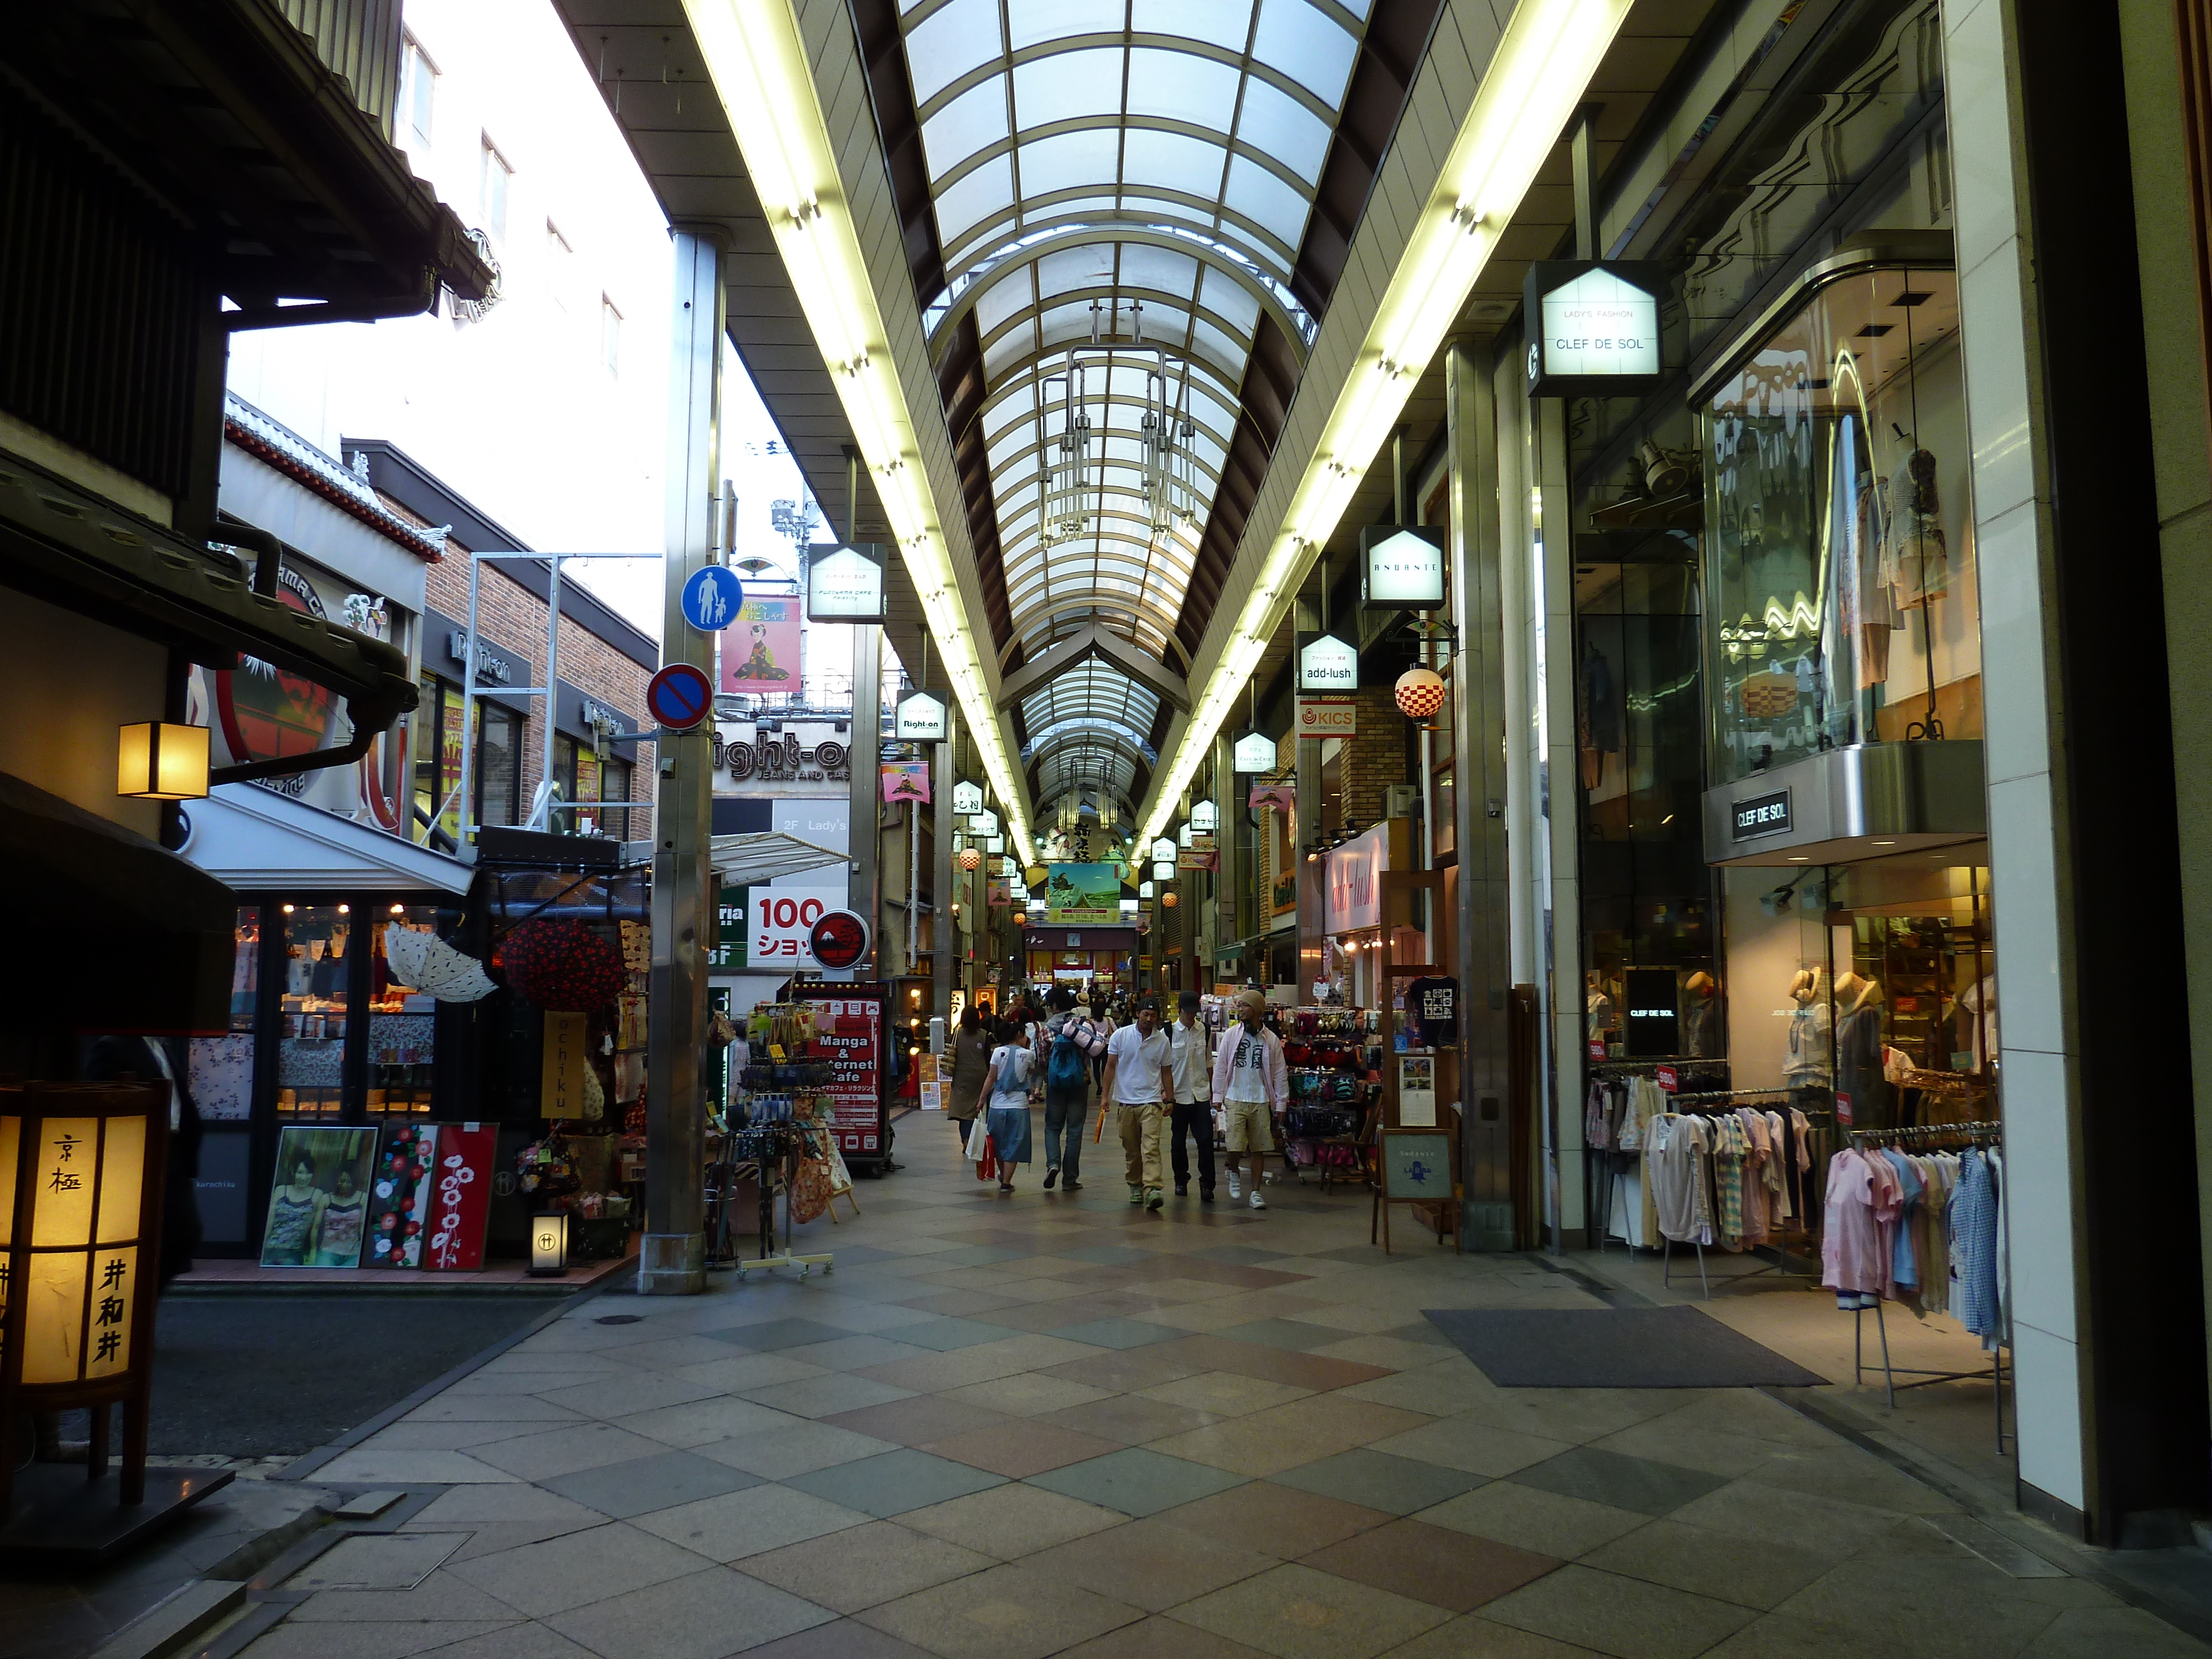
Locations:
(1450, 1570)
(1135, 1481)
(894, 1482)
(1296, 1613)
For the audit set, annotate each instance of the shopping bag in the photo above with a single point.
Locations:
(988, 1165)
(979, 1139)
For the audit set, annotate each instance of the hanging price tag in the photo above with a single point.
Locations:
(1666, 1079)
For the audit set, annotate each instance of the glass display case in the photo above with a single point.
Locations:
(1838, 534)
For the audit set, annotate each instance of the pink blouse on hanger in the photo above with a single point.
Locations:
(1862, 1219)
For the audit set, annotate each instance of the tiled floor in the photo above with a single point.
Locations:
(1008, 1428)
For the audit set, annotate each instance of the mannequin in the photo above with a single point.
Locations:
(1598, 1006)
(1701, 1027)
(1859, 1044)
(1810, 1054)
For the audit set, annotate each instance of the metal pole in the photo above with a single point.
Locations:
(868, 742)
(943, 934)
(465, 846)
(541, 817)
(673, 1260)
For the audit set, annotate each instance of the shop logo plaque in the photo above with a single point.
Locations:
(1326, 663)
(845, 584)
(1401, 568)
(922, 717)
(1762, 815)
(1597, 327)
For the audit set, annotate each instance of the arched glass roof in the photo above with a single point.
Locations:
(1094, 162)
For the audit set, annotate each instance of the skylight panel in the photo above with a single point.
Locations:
(1168, 161)
(1214, 347)
(1166, 272)
(1068, 161)
(1035, 22)
(976, 118)
(1068, 86)
(983, 196)
(948, 43)
(1181, 86)
(1008, 297)
(1066, 270)
(1307, 46)
(1217, 23)
(1266, 200)
(1277, 124)
(1231, 301)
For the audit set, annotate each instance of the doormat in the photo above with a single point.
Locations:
(1675, 1347)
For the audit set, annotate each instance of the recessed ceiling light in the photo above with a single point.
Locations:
(1800, 858)
(1885, 843)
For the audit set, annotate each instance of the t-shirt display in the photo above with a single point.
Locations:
(1432, 1008)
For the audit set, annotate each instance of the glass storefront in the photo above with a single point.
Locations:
(1839, 530)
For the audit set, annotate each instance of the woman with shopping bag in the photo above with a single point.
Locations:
(1006, 1102)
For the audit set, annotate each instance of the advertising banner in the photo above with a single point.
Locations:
(760, 649)
(849, 1032)
(460, 1197)
(1080, 894)
(778, 921)
(905, 781)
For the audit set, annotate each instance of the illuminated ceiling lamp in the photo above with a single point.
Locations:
(157, 761)
(1420, 693)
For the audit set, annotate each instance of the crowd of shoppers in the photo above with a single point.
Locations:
(1170, 1085)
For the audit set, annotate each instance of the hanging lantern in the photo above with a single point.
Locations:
(971, 859)
(1420, 693)
(1168, 900)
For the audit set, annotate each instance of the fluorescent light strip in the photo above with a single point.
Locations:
(1550, 51)
(759, 66)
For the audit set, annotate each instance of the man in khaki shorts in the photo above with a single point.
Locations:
(1249, 1080)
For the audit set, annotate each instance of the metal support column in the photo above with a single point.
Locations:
(673, 1260)
(944, 931)
(863, 837)
(1478, 716)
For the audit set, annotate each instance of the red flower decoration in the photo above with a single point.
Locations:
(563, 965)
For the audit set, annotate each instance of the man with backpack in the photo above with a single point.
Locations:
(1066, 1045)
(1138, 1080)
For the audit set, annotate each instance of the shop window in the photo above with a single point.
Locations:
(498, 765)
(221, 1068)
(497, 177)
(312, 1030)
(438, 763)
(419, 91)
(402, 1024)
(1840, 531)
(1444, 836)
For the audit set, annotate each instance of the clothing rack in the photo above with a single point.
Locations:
(1983, 1131)
(1728, 1100)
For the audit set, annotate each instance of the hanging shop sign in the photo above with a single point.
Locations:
(561, 1091)
(967, 798)
(1595, 327)
(982, 823)
(845, 584)
(731, 906)
(1254, 752)
(1204, 819)
(839, 939)
(1165, 848)
(1401, 568)
(1279, 796)
(1327, 663)
(783, 760)
(1327, 717)
(922, 717)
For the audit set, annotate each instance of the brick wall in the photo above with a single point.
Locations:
(1376, 758)
(513, 618)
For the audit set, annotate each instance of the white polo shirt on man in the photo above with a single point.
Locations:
(1138, 1060)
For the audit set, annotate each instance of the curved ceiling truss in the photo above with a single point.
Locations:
(1121, 186)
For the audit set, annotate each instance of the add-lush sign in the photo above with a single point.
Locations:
(1326, 663)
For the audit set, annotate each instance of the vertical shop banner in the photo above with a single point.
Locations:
(908, 781)
(760, 650)
(449, 765)
(849, 1033)
(460, 1197)
(1083, 895)
(561, 1081)
(733, 909)
(399, 1198)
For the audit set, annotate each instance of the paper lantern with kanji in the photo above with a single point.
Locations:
(561, 965)
(971, 858)
(1420, 693)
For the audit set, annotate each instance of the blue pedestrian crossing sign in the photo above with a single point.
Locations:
(712, 598)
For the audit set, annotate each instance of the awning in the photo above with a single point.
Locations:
(744, 860)
(258, 841)
(54, 848)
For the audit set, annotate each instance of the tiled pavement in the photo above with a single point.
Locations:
(1008, 1428)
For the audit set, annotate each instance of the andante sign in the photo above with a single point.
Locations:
(1326, 663)
(1598, 328)
(845, 584)
(1402, 568)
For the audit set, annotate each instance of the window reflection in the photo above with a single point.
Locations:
(310, 1051)
(402, 1024)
